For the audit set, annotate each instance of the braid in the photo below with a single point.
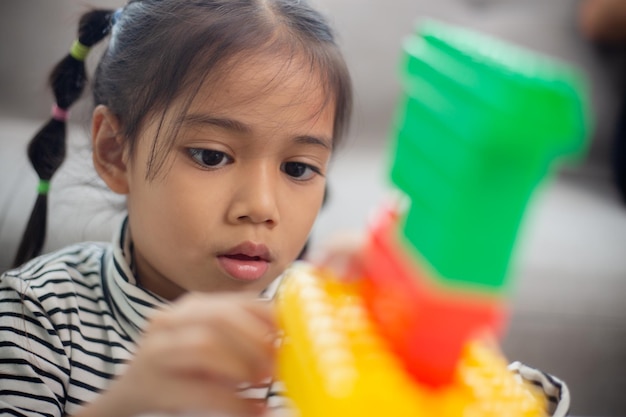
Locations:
(46, 150)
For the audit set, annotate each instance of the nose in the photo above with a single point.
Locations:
(255, 197)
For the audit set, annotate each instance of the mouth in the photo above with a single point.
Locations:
(245, 262)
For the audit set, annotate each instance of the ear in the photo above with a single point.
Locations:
(110, 156)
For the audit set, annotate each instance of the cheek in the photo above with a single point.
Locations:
(174, 204)
(303, 211)
(189, 204)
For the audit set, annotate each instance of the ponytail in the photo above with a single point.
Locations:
(46, 150)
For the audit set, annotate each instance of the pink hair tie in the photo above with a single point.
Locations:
(59, 114)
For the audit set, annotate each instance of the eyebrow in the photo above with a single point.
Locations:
(205, 119)
(313, 140)
(237, 126)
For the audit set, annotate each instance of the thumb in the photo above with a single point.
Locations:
(341, 256)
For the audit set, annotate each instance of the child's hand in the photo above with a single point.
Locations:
(341, 255)
(194, 358)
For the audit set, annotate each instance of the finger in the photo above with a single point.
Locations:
(230, 354)
(202, 308)
(195, 352)
(198, 308)
(232, 338)
(341, 256)
(207, 397)
(250, 338)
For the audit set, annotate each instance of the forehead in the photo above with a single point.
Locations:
(282, 81)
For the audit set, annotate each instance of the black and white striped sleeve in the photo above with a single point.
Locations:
(34, 366)
(556, 391)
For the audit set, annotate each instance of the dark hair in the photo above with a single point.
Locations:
(145, 68)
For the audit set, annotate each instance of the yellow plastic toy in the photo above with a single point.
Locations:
(334, 363)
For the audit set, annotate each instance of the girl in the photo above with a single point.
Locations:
(217, 119)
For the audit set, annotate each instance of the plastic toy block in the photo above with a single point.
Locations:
(425, 323)
(334, 363)
(331, 360)
(493, 389)
(479, 125)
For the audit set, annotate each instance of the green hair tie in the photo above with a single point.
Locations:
(78, 51)
(44, 187)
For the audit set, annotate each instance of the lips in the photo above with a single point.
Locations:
(245, 262)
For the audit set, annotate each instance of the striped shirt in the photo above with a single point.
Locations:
(70, 321)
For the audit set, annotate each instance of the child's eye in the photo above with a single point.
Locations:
(209, 158)
(300, 171)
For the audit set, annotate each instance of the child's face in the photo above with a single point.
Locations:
(242, 186)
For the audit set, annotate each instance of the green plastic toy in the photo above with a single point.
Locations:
(478, 127)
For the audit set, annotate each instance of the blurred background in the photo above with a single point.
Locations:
(568, 315)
